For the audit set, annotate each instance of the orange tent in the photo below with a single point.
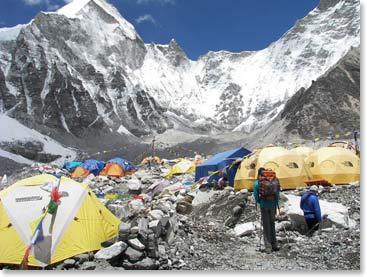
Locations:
(118, 167)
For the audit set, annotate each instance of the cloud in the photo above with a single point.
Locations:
(51, 6)
(145, 18)
(34, 2)
(160, 2)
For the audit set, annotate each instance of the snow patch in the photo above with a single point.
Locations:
(7, 34)
(11, 130)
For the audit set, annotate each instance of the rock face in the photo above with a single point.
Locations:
(87, 70)
(331, 104)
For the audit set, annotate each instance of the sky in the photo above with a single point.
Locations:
(198, 26)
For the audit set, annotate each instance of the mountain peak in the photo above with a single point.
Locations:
(76, 7)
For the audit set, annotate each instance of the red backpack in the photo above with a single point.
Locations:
(269, 185)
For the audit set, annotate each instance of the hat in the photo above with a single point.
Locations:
(314, 188)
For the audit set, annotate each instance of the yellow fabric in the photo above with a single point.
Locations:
(94, 224)
(155, 158)
(304, 151)
(182, 167)
(334, 164)
(289, 167)
(245, 175)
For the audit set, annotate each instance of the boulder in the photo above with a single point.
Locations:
(69, 263)
(111, 252)
(136, 244)
(133, 255)
(245, 228)
(156, 227)
(337, 213)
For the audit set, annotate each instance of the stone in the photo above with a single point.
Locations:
(156, 227)
(82, 258)
(124, 231)
(146, 264)
(133, 255)
(88, 266)
(245, 229)
(136, 244)
(136, 206)
(336, 212)
(161, 250)
(111, 252)
(156, 214)
(69, 263)
(119, 211)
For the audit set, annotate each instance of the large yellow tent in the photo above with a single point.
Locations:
(334, 164)
(184, 166)
(289, 167)
(79, 224)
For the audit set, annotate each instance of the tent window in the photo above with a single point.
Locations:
(311, 164)
(348, 164)
(292, 165)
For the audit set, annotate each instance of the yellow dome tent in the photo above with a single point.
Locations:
(34, 227)
(155, 159)
(289, 168)
(334, 164)
(184, 166)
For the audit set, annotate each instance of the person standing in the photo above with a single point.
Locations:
(311, 209)
(268, 205)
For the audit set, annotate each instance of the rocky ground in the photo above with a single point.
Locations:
(167, 226)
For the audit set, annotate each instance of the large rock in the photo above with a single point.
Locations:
(337, 214)
(133, 255)
(111, 252)
(136, 244)
(245, 228)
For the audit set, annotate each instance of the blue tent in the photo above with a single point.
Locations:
(125, 164)
(219, 161)
(93, 166)
(70, 166)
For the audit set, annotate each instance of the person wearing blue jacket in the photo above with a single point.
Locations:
(268, 212)
(311, 209)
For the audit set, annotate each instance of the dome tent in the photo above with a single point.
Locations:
(79, 224)
(118, 167)
(289, 168)
(334, 164)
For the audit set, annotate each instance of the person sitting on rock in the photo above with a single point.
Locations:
(311, 209)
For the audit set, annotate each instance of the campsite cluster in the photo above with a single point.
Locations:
(169, 216)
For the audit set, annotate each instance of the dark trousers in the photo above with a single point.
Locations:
(311, 223)
(268, 221)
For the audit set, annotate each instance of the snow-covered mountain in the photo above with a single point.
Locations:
(85, 68)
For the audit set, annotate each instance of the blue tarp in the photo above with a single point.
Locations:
(93, 166)
(219, 161)
(70, 166)
(125, 164)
